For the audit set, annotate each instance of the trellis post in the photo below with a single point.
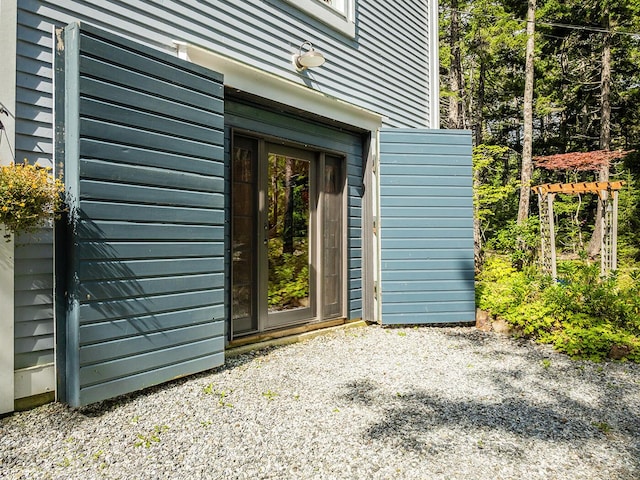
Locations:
(607, 194)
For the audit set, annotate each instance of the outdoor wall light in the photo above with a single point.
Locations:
(309, 59)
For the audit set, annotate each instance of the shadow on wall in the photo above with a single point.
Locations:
(106, 286)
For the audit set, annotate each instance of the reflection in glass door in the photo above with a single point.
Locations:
(290, 235)
(287, 236)
(332, 235)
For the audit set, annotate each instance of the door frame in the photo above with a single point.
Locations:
(290, 320)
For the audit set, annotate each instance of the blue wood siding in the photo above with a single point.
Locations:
(371, 71)
(144, 168)
(313, 134)
(426, 227)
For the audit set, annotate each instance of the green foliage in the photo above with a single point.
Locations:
(28, 196)
(495, 186)
(521, 242)
(288, 274)
(568, 96)
(582, 314)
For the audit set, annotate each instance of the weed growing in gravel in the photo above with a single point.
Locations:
(546, 363)
(402, 334)
(352, 334)
(221, 399)
(270, 395)
(210, 390)
(604, 427)
(153, 437)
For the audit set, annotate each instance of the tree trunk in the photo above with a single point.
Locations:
(605, 129)
(479, 113)
(455, 72)
(477, 177)
(287, 233)
(527, 147)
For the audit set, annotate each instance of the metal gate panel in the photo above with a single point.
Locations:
(426, 227)
(142, 137)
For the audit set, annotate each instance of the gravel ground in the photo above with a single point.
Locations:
(363, 403)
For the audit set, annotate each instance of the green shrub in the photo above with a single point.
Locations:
(28, 196)
(288, 275)
(520, 242)
(583, 315)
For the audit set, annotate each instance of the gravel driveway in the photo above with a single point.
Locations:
(362, 403)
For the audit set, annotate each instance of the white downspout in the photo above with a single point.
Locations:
(8, 32)
(434, 65)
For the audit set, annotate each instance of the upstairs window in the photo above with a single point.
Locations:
(338, 14)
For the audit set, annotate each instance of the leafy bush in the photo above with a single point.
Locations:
(28, 196)
(583, 315)
(521, 242)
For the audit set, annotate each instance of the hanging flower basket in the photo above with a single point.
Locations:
(29, 195)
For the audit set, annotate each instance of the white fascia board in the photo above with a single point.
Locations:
(6, 322)
(252, 80)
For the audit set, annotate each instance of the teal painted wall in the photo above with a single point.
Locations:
(426, 227)
(143, 137)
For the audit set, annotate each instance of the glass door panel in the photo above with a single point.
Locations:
(332, 237)
(243, 228)
(287, 236)
(289, 239)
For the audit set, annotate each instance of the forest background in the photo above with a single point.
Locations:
(532, 79)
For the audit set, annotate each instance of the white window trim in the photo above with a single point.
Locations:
(343, 22)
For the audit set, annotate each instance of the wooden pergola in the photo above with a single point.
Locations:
(607, 194)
